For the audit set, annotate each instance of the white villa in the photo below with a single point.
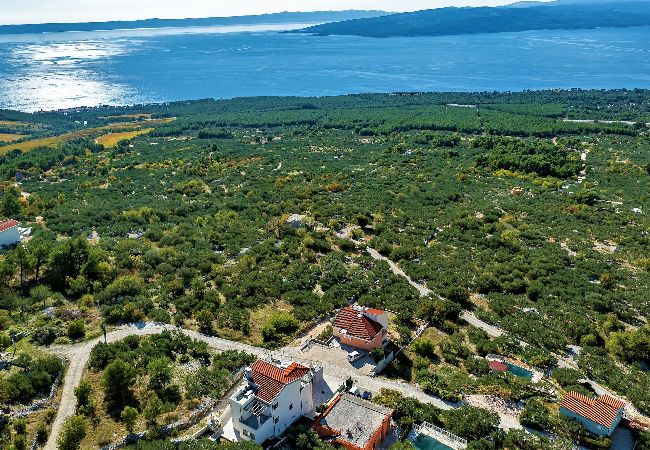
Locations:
(273, 395)
(9, 233)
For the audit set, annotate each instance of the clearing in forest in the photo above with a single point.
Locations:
(4, 137)
(111, 139)
(88, 132)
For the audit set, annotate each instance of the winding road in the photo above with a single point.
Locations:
(79, 354)
(630, 410)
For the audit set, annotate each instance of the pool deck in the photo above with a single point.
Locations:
(438, 434)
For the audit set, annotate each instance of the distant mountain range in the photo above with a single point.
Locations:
(525, 16)
(263, 19)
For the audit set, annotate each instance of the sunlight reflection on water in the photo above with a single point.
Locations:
(58, 73)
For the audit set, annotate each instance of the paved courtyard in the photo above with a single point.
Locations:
(338, 355)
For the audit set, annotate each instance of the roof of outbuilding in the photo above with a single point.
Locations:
(8, 224)
(271, 379)
(354, 420)
(357, 324)
(602, 410)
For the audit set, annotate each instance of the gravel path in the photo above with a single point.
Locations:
(506, 419)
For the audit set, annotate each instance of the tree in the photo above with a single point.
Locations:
(117, 380)
(73, 432)
(152, 410)
(40, 250)
(205, 318)
(128, 417)
(160, 373)
(10, 204)
(75, 330)
(402, 445)
(84, 393)
(40, 294)
(470, 422)
(535, 415)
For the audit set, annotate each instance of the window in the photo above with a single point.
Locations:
(275, 406)
(290, 407)
(277, 419)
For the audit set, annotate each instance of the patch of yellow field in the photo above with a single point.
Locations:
(129, 116)
(11, 137)
(13, 123)
(88, 132)
(111, 139)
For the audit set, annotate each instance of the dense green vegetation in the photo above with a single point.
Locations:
(537, 224)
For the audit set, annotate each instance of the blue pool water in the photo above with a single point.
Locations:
(519, 371)
(427, 443)
(63, 70)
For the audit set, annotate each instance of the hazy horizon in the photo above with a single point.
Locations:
(46, 11)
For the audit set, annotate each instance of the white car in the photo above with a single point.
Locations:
(354, 356)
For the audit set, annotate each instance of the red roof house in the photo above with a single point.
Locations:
(272, 379)
(360, 327)
(600, 415)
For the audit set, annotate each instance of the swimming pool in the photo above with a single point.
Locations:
(519, 371)
(423, 442)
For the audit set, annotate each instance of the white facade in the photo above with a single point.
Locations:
(10, 236)
(255, 419)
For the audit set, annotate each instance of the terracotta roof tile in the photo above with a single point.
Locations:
(602, 410)
(272, 379)
(8, 224)
(356, 324)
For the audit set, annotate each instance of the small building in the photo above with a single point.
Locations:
(273, 395)
(600, 415)
(354, 423)
(9, 233)
(296, 220)
(360, 327)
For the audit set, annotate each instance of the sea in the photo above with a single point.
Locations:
(123, 67)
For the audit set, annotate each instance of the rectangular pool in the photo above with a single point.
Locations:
(423, 442)
(519, 371)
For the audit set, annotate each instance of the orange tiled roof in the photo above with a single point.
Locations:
(8, 224)
(356, 324)
(375, 312)
(602, 410)
(272, 379)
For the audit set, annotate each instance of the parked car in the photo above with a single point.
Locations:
(354, 356)
(366, 395)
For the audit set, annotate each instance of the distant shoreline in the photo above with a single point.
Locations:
(121, 25)
(155, 31)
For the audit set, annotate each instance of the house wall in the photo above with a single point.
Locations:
(359, 343)
(592, 426)
(9, 237)
(291, 403)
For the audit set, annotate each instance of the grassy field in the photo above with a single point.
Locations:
(88, 132)
(111, 139)
(11, 137)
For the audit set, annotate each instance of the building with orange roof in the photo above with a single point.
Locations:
(360, 327)
(273, 395)
(599, 415)
(354, 423)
